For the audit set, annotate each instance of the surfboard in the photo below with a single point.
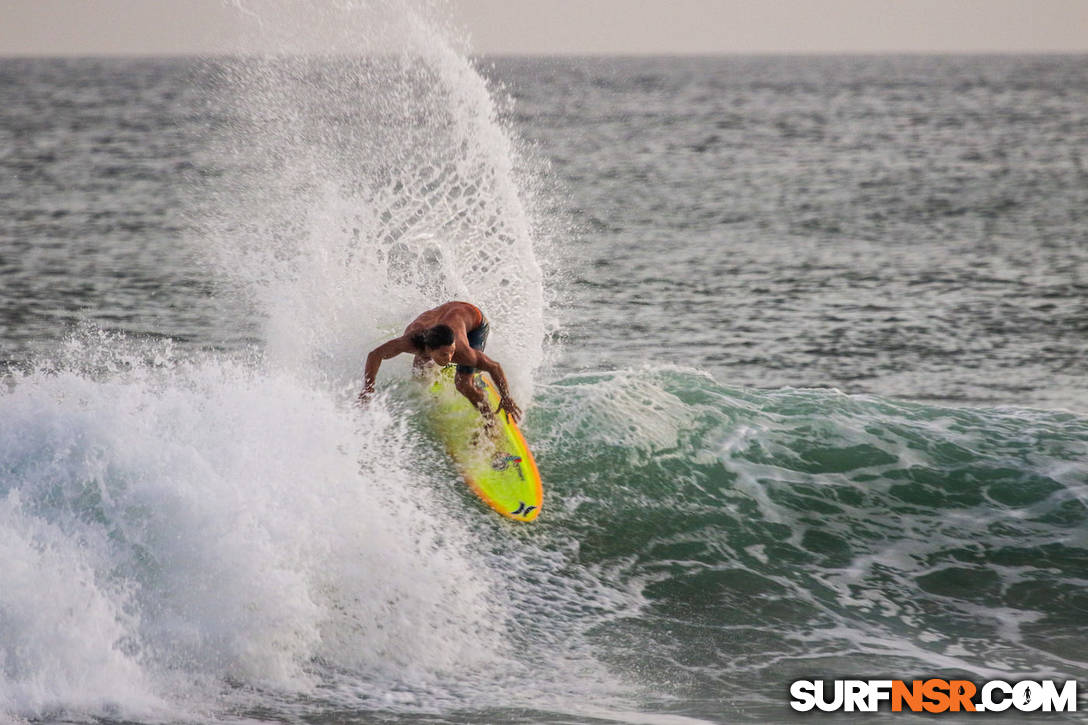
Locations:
(501, 472)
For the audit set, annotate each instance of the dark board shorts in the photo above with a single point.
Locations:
(477, 339)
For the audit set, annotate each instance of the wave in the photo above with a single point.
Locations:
(202, 536)
(187, 522)
(782, 533)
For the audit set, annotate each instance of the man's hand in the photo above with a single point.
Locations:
(364, 397)
(507, 403)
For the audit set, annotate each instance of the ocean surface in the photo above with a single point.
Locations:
(802, 345)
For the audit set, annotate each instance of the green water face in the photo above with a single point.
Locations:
(775, 534)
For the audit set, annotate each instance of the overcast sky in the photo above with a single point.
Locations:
(149, 27)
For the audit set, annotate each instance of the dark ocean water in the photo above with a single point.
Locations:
(912, 227)
(906, 226)
(812, 400)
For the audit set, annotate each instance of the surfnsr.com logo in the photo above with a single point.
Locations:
(933, 695)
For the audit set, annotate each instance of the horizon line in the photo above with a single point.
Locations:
(557, 55)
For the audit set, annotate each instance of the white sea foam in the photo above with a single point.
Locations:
(165, 529)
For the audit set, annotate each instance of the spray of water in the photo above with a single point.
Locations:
(179, 531)
(378, 182)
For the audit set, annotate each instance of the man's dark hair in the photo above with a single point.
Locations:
(435, 337)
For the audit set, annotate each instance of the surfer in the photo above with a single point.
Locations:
(455, 332)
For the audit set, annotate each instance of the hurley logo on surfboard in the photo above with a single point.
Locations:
(522, 509)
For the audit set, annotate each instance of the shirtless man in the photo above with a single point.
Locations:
(455, 332)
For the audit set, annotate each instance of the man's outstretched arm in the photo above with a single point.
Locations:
(374, 360)
(493, 369)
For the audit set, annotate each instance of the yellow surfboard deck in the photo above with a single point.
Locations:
(502, 473)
